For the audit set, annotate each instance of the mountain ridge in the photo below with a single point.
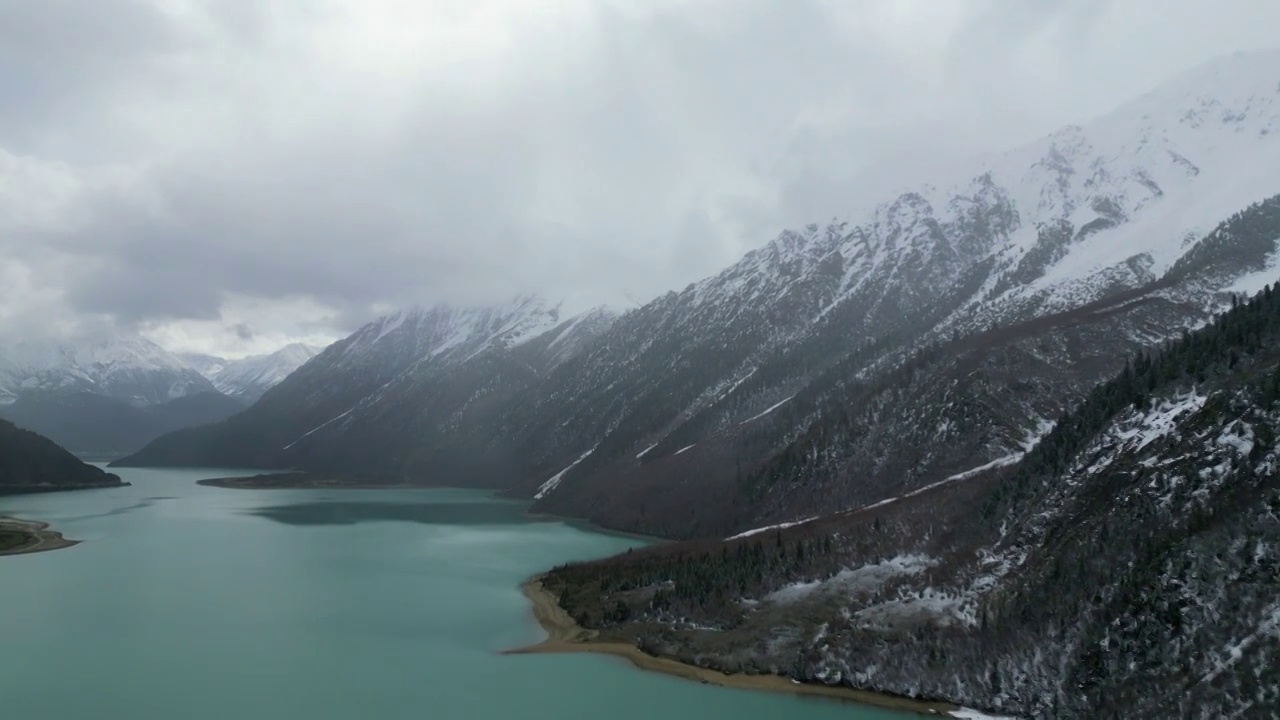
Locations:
(127, 367)
(32, 463)
(247, 378)
(704, 392)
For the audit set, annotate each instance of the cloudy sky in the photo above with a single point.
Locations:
(228, 175)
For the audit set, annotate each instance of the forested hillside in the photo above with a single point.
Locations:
(1124, 567)
(32, 463)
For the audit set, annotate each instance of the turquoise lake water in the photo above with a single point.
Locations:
(200, 603)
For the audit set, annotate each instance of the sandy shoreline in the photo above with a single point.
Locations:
(37, 537)
(565, 636)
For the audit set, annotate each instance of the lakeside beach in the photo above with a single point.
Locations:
(566, 636)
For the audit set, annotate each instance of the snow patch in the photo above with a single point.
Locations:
(391, 325)
(857, 581)
(780, 526)
(554, 481)
(766, 412)
(970, 714)
(1140, 429)
(1233, 653)
(317, 428)
(930, 605)
(736, 384)
(967, 474)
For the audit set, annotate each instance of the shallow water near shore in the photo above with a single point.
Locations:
(199, 602)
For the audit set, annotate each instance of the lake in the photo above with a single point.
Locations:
(204, 603)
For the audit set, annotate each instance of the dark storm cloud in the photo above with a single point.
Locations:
(182, 165)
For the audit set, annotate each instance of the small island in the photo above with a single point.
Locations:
(19, 537)
(307, 480)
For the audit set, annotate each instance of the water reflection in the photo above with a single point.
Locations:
(432, 513)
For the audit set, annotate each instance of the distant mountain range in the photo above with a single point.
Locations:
(110, 397)
(248, 378)
(423, 365)
(129, 368)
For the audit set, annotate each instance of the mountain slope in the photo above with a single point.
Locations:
(1121, 567)
(1112, 213)
(390, 358)
(708, 410)
(31, 463)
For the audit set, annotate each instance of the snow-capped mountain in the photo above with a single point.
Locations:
(248, 378)
(1063, 221)
(1089, 208)
(206, 365)
(128, 368)
(443, 358)
(837, 364)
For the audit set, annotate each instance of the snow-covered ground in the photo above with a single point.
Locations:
(768, 410)
(551, 484)
(968, 714)
(851, 583)
(767, 528)
(317, 428)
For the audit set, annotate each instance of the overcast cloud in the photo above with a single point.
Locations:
(228, 175)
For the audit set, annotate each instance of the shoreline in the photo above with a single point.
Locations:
(14, 490)
(584, 524)
(302, 481)
(37, 537)
(566, 636)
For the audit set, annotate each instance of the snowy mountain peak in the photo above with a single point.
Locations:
(127, 367)
(445, 330)
(573, 335)
(206, 365)
(1084, 210)
(248, 378)
(1234, 90)
(297, 353)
